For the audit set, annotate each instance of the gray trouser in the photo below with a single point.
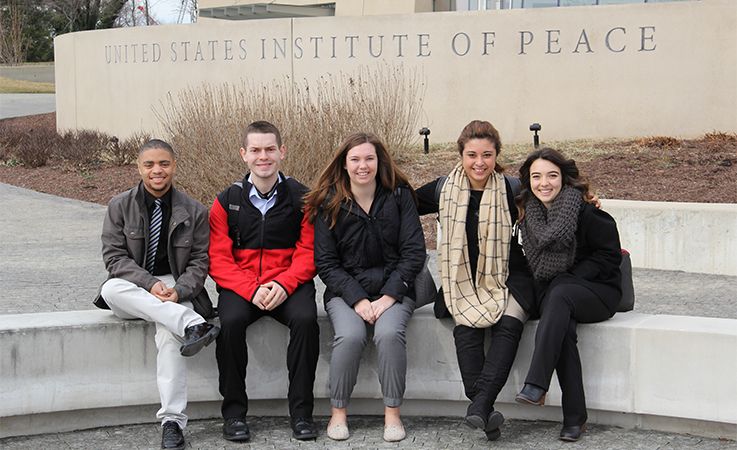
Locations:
(350, 339)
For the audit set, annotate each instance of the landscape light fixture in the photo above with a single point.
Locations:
(424, 131)
(535, 127)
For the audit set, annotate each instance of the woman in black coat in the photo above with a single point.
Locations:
(369, 248)
(574, 254)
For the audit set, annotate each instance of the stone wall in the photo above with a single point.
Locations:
(594, 71)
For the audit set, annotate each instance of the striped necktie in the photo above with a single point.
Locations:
(155, 233)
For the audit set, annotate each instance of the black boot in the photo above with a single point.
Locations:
(505, 337)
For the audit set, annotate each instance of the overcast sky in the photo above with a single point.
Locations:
(166, 11)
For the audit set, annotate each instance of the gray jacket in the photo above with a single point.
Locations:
(125, 235)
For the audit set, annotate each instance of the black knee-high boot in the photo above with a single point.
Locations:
(505, 337)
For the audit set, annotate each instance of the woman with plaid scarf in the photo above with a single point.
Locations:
(485, 279)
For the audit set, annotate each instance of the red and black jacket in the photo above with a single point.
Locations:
(258, 249)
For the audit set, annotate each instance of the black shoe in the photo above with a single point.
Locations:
(490, 425)
(477, 413)
(493, 435)
(531, 395)
(304, 429)
(198, 336)
(236, 429)
(171, 436)
(572, 433)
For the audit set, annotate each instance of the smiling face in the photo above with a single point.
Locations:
(479, 160)
(157, 167)
(361, 163)
(545, 181)
(263, 155)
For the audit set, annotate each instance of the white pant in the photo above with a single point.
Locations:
(128, 301)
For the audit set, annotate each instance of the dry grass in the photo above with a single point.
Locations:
(664, 142)
(206, 122)
(10, 86)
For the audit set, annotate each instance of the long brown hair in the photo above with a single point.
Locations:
(568, 171)
(334, 185)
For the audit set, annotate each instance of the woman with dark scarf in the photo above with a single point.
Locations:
(485, 278)
(574, 254)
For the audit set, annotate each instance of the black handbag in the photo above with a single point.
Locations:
(627, 303)
(425, 289)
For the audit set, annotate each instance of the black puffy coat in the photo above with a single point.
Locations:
(366, 256)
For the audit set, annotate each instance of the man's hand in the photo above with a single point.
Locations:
(276, 295)
(170, 295)
(163, 293)
(365, 311)
(258, 299)
(381, 305)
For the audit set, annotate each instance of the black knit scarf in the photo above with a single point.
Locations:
(549, 234)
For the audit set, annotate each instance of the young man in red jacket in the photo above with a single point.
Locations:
(261, 257)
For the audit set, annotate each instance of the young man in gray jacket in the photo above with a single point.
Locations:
(154, 245)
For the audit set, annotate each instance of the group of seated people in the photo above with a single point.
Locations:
(510, 250)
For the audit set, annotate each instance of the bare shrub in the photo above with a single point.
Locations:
(659, 142)
(122, 153)
(206, 123)
(35, 147)
(82, 148)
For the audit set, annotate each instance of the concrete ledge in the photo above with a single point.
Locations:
(693, 237)
(71, 370)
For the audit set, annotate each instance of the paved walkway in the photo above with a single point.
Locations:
(50, 261)
(17, 105)
(422, 432)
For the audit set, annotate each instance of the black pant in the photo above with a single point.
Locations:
(556, 348)
(299, 313)
(486, 374)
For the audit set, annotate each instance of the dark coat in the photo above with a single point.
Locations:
(370, 255)
(125, 236)
(598, 256)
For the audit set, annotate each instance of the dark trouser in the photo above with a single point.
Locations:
(561, 310)
(486, 375)
(299, 313)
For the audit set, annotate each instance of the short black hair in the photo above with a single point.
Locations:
(157, 143)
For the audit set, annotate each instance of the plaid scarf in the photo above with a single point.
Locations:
(482, 305)
(549, 235)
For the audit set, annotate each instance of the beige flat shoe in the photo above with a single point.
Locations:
(394, 433)
(338, 432)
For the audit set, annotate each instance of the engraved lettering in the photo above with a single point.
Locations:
(371, 45)
(398, 38)
(647, 34)
(454, 44)
(525, 39)
(488, 42)
(424, 44)
(553, 38)
(583, 39)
